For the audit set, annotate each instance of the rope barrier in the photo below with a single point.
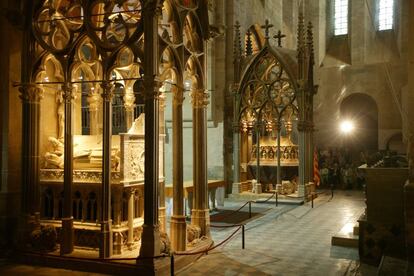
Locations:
(235, 211)
(225, 226)
(183, 253)
(250, 206)
(266, 200)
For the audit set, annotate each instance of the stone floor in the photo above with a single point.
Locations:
(285, 240)
(290, 241)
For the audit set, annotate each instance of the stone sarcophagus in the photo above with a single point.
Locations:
(127, 185)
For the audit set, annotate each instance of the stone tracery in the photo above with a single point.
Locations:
(90, 57)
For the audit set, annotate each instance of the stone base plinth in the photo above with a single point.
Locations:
(178, 233)
(236, 188)
(162, 219)
(66, 242)
(106, 242)
(201, 218)
(150, 241)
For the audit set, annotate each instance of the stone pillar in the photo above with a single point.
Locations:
(200, 214)
(105, 249)
(56, 196)
(84, 200)
(409, 129)
(236, 188)
(236, 160)
(279, 169)
(30, 95)
(66, 244)
(93, 100)
(150, 239)
(409, 224)
(257, 154)
(302, 158)
(130, 239)
(161, 192)
(178, 227)
(129, 99)
(117, 206)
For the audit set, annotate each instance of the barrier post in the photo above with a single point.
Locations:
(172, 264)
(243, 236)
(312, 198)
(250, 209)
(276, 198)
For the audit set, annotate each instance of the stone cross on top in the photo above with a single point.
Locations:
(267, 26)
(279, 38)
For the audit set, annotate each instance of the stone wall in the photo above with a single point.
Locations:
(365, 61)
(10, 124)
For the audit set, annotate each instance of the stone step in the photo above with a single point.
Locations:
(346, 236)
(392, 266)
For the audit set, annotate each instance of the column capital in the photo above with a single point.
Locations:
(31, 93)
(234, 87)
(107, 90)
(199, 98)
(236, 127)
(155, 84)
(132, 191)
(68, 92)
(178, 94)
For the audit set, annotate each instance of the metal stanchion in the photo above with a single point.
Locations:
(250, 209)
(172, 264)
(312, 195)
(276, 198)
(243, 236)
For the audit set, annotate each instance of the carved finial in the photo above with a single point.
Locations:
(249, 44)
(267, 26)
(237, 41)
(309, 41)
(301, 35)
(279, 38)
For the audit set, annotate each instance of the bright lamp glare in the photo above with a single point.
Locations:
(347, 126)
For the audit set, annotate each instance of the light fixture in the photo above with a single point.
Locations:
(346, 126)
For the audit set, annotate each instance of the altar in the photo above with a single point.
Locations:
(268, 162)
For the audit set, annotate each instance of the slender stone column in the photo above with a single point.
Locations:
(178, 224)
(409, 130)
(279, 169)
(105, 249)
(117, 207)
(130, 239)
(66, 245)
(236, 159)
(302, 158)
(56, 196)
(200, 214)
(161, 192)
(150, 239)
(258, 152)
(236, 187)
(93, 100)
(129, 99)
(30, 95)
